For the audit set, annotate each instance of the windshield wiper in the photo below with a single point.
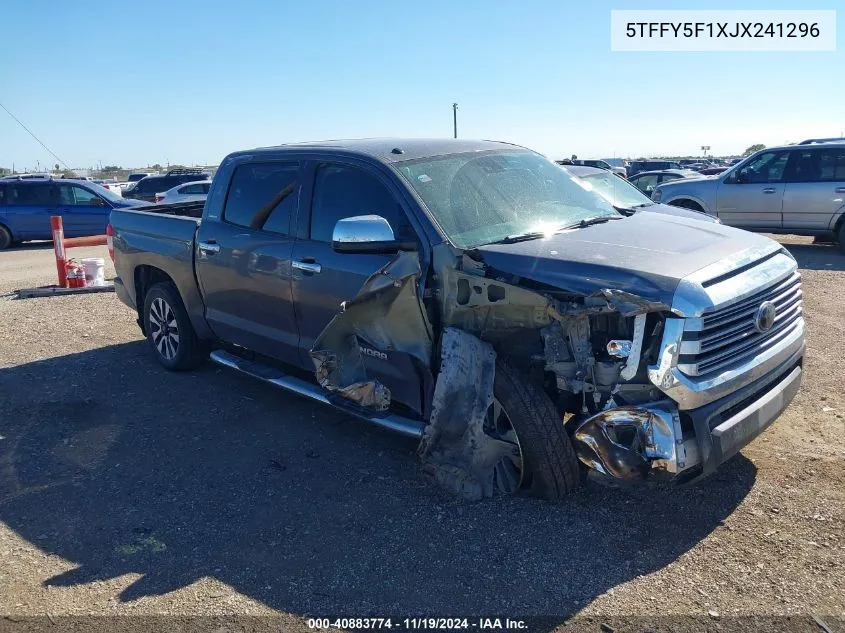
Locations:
(633, 208)
(520, 237)
(537, 235)
(596, 219)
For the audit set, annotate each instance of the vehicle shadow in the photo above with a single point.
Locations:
(120, 467)
(817, 256)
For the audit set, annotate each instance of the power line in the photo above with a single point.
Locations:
(33, 136)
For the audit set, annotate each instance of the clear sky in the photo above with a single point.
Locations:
(136, 83)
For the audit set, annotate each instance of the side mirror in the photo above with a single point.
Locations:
(367, 234)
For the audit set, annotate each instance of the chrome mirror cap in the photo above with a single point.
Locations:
(362, 229)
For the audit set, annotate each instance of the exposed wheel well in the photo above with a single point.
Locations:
(687, 204)
(145, 278)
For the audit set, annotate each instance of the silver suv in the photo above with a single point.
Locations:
(797, 189)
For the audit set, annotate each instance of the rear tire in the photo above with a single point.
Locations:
(841, 236)
(169, 331)
(5, 238)
(550, 468)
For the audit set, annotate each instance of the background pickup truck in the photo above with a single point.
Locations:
(479, 297)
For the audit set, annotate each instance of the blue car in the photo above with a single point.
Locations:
(26, 205)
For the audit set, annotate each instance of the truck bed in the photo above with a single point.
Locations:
(183, 209)
(156, 242)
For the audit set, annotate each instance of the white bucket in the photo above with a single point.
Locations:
(95, 271)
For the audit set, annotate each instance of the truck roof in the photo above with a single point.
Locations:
(392, 149)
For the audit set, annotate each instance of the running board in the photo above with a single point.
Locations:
(273, 376)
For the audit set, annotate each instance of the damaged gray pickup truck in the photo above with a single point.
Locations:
(480, 298)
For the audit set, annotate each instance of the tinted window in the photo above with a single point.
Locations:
(2, 194)
(342, 192)
(767, 167)
(36, 194)
(150, 185)
(263, 196)
(188, 178)
(832, 165)
(73, 195)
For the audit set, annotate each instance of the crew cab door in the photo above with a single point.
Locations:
(752, 197)
(815, 189)
(324, 278)
(243, 260)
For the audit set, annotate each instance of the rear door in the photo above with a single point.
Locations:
(323, 278)
(752, 197)
(29, 205)
(814, 194)
(83, 211)
(243, 260)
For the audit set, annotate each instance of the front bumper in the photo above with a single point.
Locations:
(723, 427)
(631, 442)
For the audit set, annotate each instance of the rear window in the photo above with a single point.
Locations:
(30, 193)
(136, 177)
(262, 196)
(196, 188)
(151, 184)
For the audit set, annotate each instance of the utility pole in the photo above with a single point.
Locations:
(455, 119)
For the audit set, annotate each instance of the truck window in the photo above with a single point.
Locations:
(262, 196)
(342, 192)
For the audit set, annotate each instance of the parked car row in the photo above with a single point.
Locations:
(147, 187)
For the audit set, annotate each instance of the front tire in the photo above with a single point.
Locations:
(550, 468)
(5, 238)
(169, 331)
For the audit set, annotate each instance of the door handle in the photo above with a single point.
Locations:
(209, 248)
(309, 267)
(840, 190)
(769, 190)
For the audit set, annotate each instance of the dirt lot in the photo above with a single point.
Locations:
(128, 490)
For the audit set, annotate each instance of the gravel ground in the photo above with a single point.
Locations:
(128, 490)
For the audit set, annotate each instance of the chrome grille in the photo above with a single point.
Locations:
(726, 336)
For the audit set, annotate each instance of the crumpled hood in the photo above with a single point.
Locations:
(646, 254)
